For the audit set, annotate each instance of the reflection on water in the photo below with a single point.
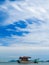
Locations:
(23, 64)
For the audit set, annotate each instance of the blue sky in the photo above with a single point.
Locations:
(24, 26)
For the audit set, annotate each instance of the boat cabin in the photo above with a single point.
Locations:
(24, 58)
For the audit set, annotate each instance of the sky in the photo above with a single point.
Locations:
(24, 29)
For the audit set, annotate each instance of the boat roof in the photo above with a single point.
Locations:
(24, 57)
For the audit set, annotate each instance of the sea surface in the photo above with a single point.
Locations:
(14, 63)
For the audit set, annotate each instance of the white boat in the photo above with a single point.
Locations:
(24, 59)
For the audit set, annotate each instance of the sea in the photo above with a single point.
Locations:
(14, 63)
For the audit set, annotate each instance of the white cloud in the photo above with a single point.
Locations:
(24, 47)
(24, 10)
(16, 7)
(29, 9)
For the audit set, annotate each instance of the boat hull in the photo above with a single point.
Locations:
(24, 62)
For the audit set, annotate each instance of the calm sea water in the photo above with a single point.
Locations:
(23, 64)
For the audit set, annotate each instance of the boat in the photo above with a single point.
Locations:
(36, 61)
(24, 60)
